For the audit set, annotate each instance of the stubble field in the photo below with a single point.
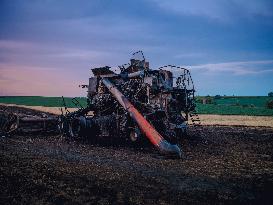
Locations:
(221, 164)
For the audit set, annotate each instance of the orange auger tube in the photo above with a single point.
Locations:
(149, 131)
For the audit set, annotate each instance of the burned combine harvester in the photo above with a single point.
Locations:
(137, 103)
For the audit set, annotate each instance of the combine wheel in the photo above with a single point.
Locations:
(8, 122)
(74, 128)
(69, 127)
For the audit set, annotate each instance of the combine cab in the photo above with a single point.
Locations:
(137, 103)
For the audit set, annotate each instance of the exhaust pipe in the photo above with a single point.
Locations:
(155, 138)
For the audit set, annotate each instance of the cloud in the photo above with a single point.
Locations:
(44, 55)
(10, 44)
(89, 38)
(22, 80)
(189, 55)
(236, 68)
(223, 10)
(31, 68)
(230, 68)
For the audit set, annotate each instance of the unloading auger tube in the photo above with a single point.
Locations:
(155, 138)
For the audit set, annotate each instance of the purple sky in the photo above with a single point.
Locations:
(48, 47)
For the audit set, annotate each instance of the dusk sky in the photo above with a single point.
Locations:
(48, 47)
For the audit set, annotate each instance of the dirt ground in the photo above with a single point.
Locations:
(266, 121)
(221, 164)
(52, 110)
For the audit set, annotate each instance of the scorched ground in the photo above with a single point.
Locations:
(221, 165)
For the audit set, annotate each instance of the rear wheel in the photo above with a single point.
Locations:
(70, 128)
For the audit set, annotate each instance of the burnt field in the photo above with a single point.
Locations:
(221, 164)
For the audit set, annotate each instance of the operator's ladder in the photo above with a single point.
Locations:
(195, 118)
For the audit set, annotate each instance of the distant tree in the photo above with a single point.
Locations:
(208, 100)
(217, 96)
(270, 94)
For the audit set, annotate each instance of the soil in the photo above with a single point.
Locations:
(206, 119)
(221, 164)
(265, 121)
(52, 110)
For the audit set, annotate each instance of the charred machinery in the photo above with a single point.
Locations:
(136, 103)
(11, 122)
